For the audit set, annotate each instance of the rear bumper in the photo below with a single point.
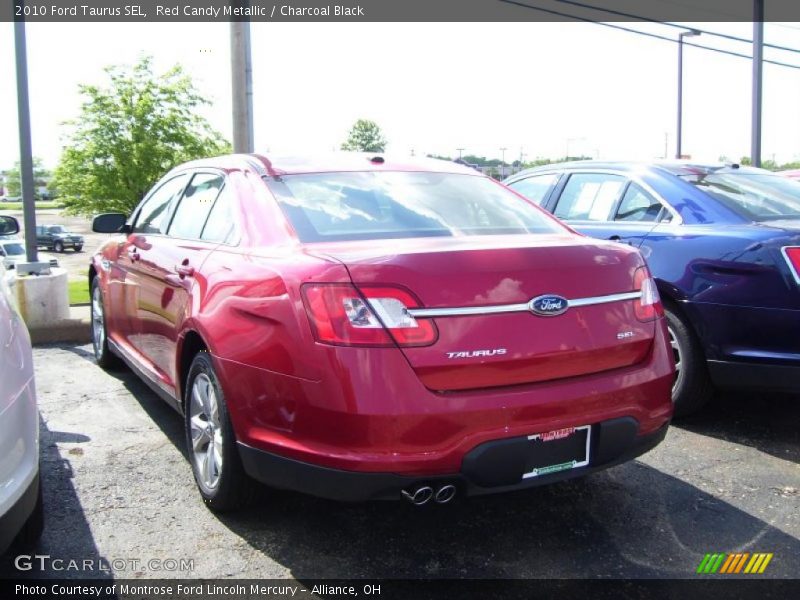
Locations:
(485, 470)
(744, 375)
(374, 415)
(12, 521)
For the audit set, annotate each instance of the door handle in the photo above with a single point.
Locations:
(615, 238)
(184, 270)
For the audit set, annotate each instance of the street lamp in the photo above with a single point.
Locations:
(681, 35)
(503, 163)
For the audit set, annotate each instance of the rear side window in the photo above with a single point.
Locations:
(221, 222)
(638, 206)
(387, 205)
(536, 188)
(155, 211)
(193, 210)
(589, 196)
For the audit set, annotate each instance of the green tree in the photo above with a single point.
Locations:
(365, 136)
(41, 178)
(129, 133)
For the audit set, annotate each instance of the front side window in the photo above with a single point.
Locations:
(589, 196)
(155, 211)
(392, 205)
(537, 187)
(755, 196)
(192, 212)
(638, 206)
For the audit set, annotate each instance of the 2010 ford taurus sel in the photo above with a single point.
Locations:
(358, 328)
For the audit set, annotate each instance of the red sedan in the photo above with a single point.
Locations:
(360, 328)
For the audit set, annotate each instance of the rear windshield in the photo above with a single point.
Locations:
(390, 205)
(759, 197)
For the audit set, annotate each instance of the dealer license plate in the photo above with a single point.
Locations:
(558, 450)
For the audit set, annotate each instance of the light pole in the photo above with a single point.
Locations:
(503, 163)
(758, 65)
(681, 35)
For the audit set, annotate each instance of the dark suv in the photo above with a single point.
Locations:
(56, 238)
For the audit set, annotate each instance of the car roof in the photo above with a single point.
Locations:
(674, 167)
(327, 163)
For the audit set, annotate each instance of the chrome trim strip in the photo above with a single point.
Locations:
(604, 299)
(467, 310)
(789, 262)
(497, 309)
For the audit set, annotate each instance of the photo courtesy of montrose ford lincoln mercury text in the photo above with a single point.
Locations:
(356, 327)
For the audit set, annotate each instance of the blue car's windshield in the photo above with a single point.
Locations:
(756, 196)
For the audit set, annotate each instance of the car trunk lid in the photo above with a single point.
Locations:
(478, 291)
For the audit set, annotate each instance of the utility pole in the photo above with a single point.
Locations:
(503, 164)
(242, 86)
(25, 148)
(758, 64)
(460, 150)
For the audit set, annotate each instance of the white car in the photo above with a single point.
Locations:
(12, 252)
(21, 510)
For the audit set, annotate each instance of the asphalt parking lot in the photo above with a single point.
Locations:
(119, 493)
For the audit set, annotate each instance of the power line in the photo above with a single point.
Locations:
(627, 15)
(646, 34)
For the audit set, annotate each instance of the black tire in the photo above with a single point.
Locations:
(34, 526)
(58, 246)
(102, 353)
(692, 388)
(78, 248)
(224, 486)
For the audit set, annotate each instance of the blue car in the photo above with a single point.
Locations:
(723, 243)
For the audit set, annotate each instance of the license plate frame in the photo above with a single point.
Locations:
(559, 435)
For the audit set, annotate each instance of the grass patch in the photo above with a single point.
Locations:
(78, 291)
(17, 206)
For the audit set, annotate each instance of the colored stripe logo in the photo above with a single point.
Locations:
(733, 564)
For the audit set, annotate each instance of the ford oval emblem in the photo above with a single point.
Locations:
(548, 305)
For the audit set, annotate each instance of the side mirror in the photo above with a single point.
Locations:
(8, 225)
(110, 223)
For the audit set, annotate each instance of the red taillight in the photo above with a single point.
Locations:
(342, 315)
(648, 307)
(792, 254)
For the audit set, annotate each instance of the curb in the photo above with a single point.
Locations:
(77, 329)
(71, 330)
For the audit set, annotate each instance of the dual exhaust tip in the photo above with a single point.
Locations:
(424, 494)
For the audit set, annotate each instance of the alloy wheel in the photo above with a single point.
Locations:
(98, 322)
(206, 432)
(677, 354)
